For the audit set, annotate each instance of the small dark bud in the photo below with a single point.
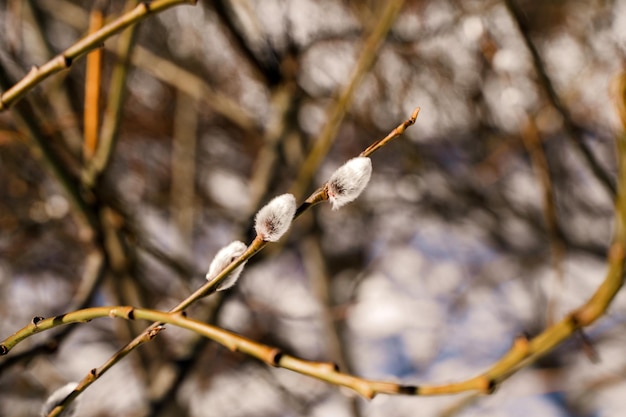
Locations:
(408, 390)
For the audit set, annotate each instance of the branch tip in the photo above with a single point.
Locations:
(414, 115)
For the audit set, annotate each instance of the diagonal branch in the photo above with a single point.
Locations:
(574, 131)
(65, 59)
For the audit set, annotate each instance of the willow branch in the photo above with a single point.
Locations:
(273, 356)
(208, 288)
(392, 135)
(65, 59)
(338, 108)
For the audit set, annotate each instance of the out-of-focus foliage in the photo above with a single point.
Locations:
(427, 277)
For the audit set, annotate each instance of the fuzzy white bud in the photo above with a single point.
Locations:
(57, 397)
(273, 220)
(222, 259)
(349, 181)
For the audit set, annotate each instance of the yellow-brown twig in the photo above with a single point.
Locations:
(273, 356)
(339, 107)
(113, 111)
(93, 77)
(532, 143)
(65, 59)
(392, 135)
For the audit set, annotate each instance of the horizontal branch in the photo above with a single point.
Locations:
(95, 40)
(272, 356)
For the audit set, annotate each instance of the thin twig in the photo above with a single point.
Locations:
(122, 262)
(392, 135)
(316, 268)
(58, 96)
(321, 193)
(193, 85)
(65, 59)
(113, 112)
(532, 143)
(91, 277)
(93, 79)
(338, 108)
(152, 331)
(183, 166)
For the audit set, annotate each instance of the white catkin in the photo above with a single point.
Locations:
(273, 220)
(349, 181)
(222, 259)
(57, 397)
